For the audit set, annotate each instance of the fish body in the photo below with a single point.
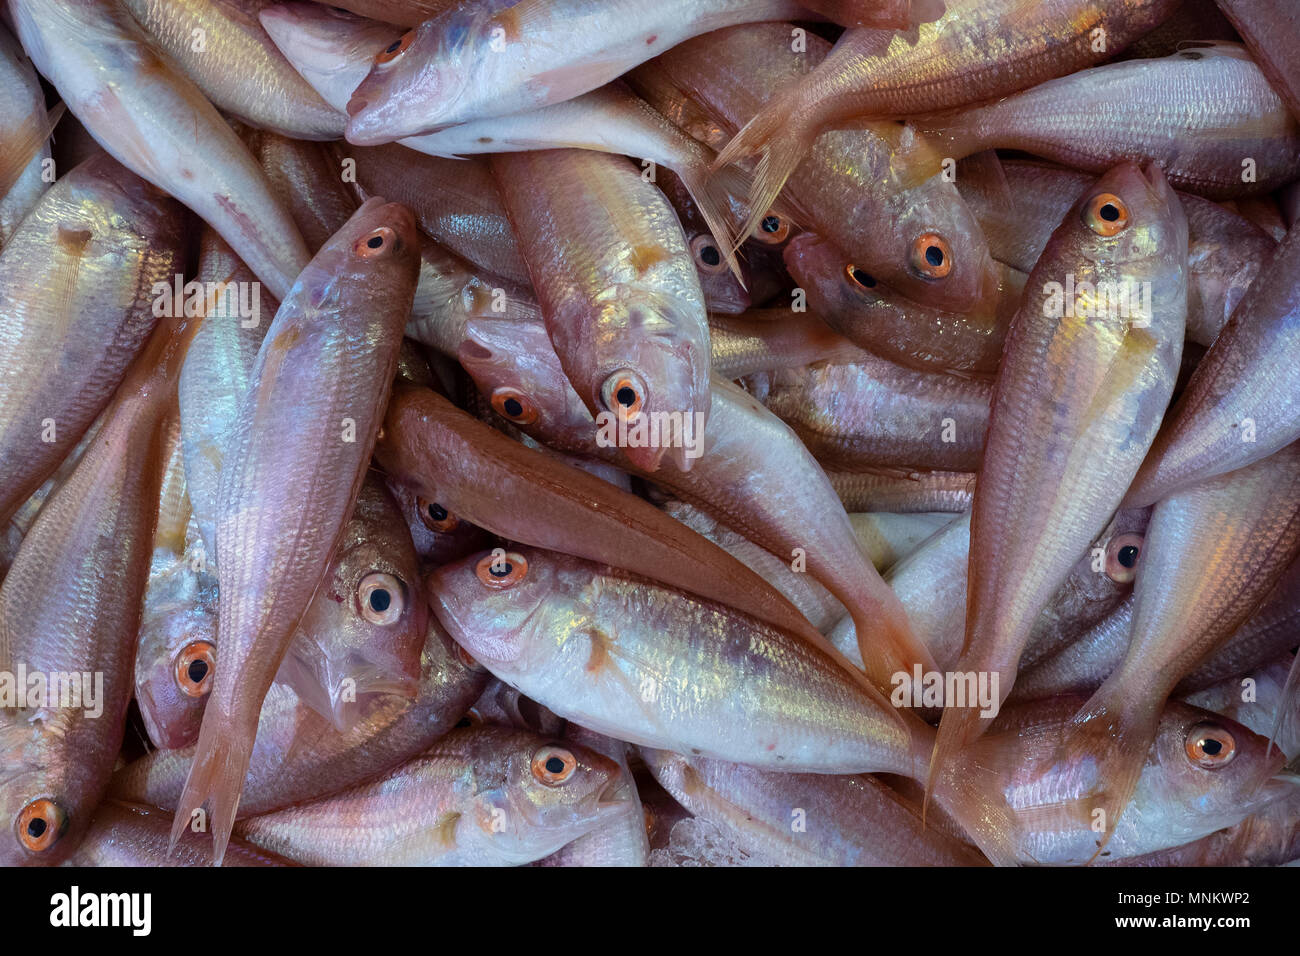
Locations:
(26, 132)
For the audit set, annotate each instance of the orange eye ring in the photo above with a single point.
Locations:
(624, 394)
(195, 666)
(466, 658)
(1106, 214)
(708, 258)
(395, 49)
(435, 516)
(931, 256)
(1210, 746)
(381, 598)
(772, 230)
(859, 278)
(502, 571)
(40, 824)
(1122, 554)
(514, 405)
(553, 766)
(377, 242)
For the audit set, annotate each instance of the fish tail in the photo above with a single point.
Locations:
(969, 792)
(216, 778)
(888, 646)
(713, 195)
(957, 728)
(781, 136)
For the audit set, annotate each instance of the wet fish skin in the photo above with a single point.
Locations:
(932, 491)
(590, 643)
(238, 67)
(132, 835)
(449, 71)
(300, 450)
(307, 181)
(405, 13)
(1055, 471)
(70, 604)
(77, 296)
(622, 841)
(848, 820)
(1245, 381)
(156, 123)
(1271, 33)
(1019, 202)
(1196, 113)
(25, 145)
(479, 796)
(300, 756)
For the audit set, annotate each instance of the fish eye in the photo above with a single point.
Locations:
(395, 49)
(708, 259)
(195, 665)
(515, 405)
(1210, 746)
(553, 766)
(857, 277)
(435, 517)
(472, 718)
(624, 393)
(501, 571)
(1122, 553)
(375, 243)
(1106, 214)
(381, 598)
(772, 230)
(40, 824)
(931, 256)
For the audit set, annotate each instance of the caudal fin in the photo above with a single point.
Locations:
(216, 778)
(888, 645)
(713, 195)
(781, 136)
(958, 727)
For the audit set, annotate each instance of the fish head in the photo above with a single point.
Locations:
(438, 535)
(835, 286)
(723, 292)
(651, 388)
(514, 364)
(364, 630)
(496, 602)
(175, 667)
(377, 248)
(1101, 578)
(45, 801)
(422, 81)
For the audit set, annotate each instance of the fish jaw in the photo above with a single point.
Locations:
(485, 622)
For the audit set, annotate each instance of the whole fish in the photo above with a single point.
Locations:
(69, 612)
(1077, 402)
(1211, 555)
(524, 495)
(805, 819)
(618, 289)
(482, 796)
(1196, 114)
(25, 143)
(503, 57)
(1019, 203)
(222, 48)
(1243, 401)
(872, 414)
(78, 296)
(299, 755)
(363, 631)
(977, 51)
(125, 834)
(652, 666)
(855, 304)
(155, 122)
(300, 450)
(920, 239)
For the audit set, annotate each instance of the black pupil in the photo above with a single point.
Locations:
(861, 278)
(35, 827)
(374, 242)
(626, 395)
(934, 256)
(513, 407)
(501, 570)
(554, 765)
(380, 599)
(771, 224)
(197, 671)
(1211, 747)
(392, 47)
(438, 512)
(1109, 212)
(709, 256)
(1128, 555)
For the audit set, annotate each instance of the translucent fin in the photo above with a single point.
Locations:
(27, 146)
(216, 778)
(713, 195)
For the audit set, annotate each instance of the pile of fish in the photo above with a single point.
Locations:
(674, 433)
